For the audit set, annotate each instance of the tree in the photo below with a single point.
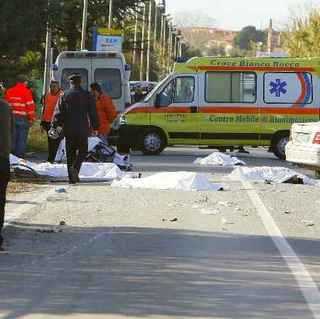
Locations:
(248, 35)
(302, 38)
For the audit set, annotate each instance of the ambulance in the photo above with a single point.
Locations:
(224, 102)
(109, 69)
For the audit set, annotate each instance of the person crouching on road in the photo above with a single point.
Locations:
(75, 107)
(24, 112)
(106, 111)
(5, 141)
(50, 102)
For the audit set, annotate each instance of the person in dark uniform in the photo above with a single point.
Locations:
(76, 112)
(5, 146)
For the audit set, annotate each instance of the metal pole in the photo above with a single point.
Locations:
(110, 15)
(155, 25)
(169, 47)
(164, 42)
(47, 63)
(84, 24)
(149, 41)
(134, 56)
(175, 46)
(161, 36)
(142, 43)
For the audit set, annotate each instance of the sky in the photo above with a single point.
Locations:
(235, 14)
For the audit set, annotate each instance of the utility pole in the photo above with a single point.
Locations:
(161, 34)
(142, 43)
(48, 59)
(164, 44)
(84, 24)
(175, 45)
(149, 41)
(134, 55)
(169, 47)
(155, 25)
(110, 15)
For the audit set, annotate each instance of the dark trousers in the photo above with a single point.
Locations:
(53, 145)
(4, 179)
(76, 149)
(20, 137)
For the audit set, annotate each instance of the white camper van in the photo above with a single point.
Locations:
(109, 69)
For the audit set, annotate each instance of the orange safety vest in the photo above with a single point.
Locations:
(21, 101)
(106, 113)
(50, 103)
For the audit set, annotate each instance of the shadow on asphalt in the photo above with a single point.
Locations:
(145, 272)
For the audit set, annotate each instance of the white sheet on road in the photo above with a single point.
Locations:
(182, 181)
(89, 171)
(218, 159)
(276, 175)
(62, 155)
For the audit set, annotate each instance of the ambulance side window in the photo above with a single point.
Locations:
(231, 87)
(184, 90)
(179, 90)
(166, 96)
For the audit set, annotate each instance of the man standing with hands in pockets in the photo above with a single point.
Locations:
(76, 113)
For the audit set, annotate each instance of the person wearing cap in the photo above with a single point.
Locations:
(5, 141)
(105, 109)
(76, 114)
(50, 102)
(23, 108)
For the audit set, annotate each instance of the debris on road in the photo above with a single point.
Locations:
(308, 223)
(173, 220)
(209, 211)
(224, 222)
(219, 159)
(61, 191)
(182, 181)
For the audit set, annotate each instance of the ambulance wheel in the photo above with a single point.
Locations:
(279, 145)
(153, 142)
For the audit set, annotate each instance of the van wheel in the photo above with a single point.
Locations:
(153, 143)
(279, 145)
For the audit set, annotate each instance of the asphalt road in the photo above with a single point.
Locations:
(251, 251)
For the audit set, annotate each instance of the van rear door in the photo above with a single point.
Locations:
(69, 66)
(109, 74)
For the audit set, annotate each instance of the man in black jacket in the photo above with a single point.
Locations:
(5, 146)
(76, 107)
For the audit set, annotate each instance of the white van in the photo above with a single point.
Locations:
(109, 69)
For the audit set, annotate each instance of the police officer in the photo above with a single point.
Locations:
(75, 107)
(5, 141)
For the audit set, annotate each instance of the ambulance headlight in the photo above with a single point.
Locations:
(123, 120)
(119, 121)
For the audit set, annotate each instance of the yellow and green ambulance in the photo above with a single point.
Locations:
(224, 102)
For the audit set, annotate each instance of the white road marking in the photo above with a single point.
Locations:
(305, 281)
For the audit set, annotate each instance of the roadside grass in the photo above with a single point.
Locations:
(37, 141)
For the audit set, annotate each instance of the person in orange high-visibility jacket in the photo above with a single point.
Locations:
(23, 109)
(105, 109)
(50, 102)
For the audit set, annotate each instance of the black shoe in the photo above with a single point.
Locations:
(73, 176)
